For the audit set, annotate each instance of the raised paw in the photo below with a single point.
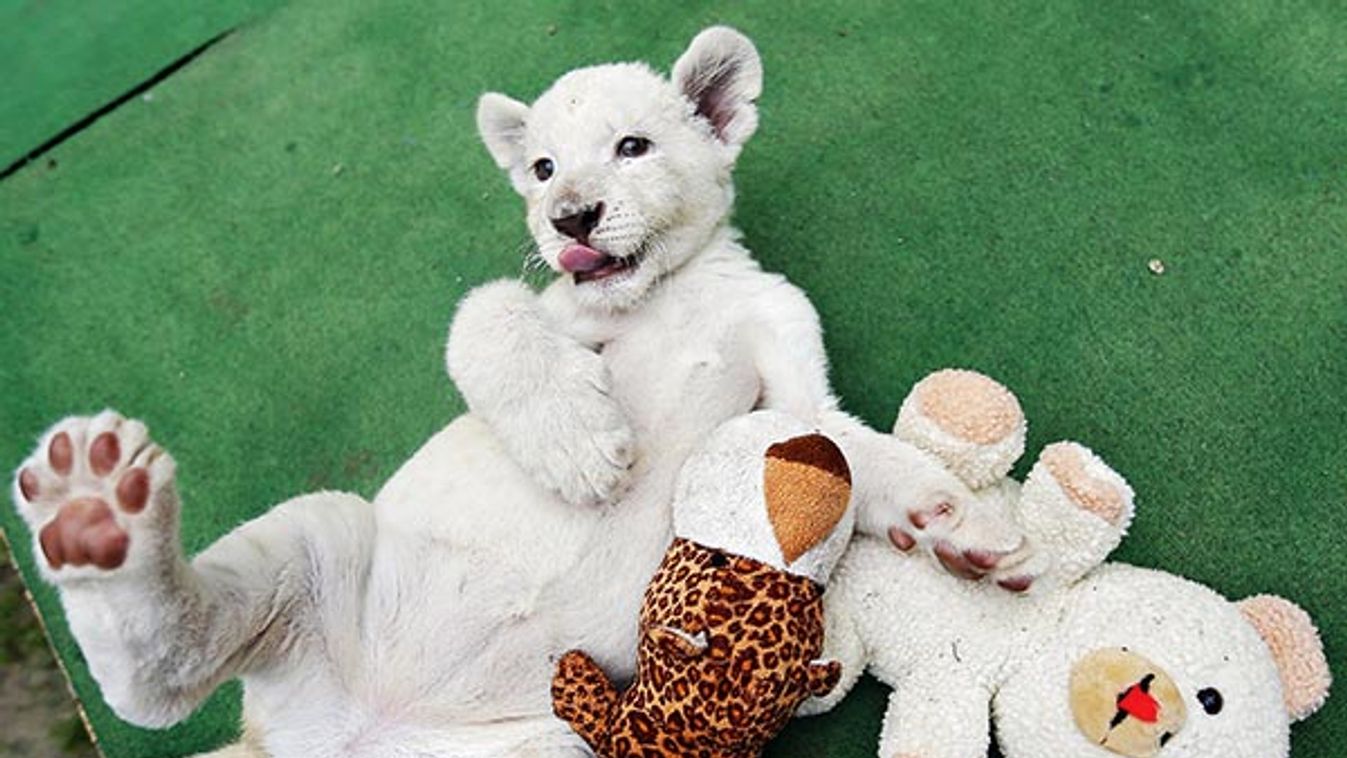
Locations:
(973, 538)
(1074, 508)
(96, 493)
(579, 443)
(972, 423)
(1088, 482)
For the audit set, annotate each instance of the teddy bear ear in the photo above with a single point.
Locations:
(1294, 641)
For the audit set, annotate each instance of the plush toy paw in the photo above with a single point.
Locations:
(972, 423)
(97, 494)
(583, 696)
(1074, 508)
(823, 677)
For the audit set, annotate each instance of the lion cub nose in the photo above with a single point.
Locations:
(578, 225)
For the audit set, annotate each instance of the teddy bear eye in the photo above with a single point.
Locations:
(543, 168)
(633, 147)
(1211, 700)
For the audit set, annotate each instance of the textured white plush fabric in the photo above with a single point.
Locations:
(720, 501)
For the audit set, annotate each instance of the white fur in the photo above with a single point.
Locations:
(426, 623)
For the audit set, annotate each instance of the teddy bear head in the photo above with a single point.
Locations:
(1144, 663)
(767, 487)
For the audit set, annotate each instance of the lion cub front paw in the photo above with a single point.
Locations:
(576, 441)
(97, 494)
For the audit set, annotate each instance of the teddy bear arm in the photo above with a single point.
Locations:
(935, 715)
(584, 697)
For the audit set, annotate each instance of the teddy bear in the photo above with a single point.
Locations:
(1095, 659)
(731, 627)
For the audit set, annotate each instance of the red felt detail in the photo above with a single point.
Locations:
(1140, 705)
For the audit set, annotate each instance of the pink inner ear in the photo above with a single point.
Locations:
(1294, 642)
(710, 93)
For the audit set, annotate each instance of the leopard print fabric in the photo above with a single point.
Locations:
(728, 651)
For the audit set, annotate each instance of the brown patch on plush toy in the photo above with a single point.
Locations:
(809, 467)
(1097, 496)
(969, 405)
(1299, 653)
(1124, 703)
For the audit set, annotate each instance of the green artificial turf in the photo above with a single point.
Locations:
(261, 261)
(64, 59)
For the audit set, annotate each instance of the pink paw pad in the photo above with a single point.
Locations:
(61, 454)
(84, 533)
(133, 491)
(28, 486)
(104, 453)
(84, 530)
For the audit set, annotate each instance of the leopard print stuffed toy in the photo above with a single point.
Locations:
(732, 622)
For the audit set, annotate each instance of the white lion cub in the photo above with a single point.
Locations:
(426, 623)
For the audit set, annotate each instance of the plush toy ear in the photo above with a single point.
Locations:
(500, 121)
(807, 486)
(1294, 641)
(721, 74)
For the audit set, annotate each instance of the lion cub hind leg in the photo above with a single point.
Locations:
(160, 633)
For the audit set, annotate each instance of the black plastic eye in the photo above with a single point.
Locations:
(543, 168)
(1211, 700)
(718, 560)
(633, 147)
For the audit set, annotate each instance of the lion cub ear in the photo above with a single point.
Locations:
(500, 121)
(721, 74)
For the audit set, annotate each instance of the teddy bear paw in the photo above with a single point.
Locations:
(971, 422)
(1074, 508)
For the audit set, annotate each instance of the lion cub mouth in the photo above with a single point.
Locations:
(585, 264)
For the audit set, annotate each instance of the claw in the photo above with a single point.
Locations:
(955, 562)
(901, 539)
(922, 519)
(1016, 584)
(982, 560)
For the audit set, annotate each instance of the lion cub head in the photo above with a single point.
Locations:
(626, 174)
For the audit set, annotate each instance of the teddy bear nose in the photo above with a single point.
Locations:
(1138, 703)
(578, 225)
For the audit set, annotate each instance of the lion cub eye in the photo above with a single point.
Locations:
(543, 168)
(633, 147)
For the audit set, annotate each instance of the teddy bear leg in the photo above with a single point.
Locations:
(936, 716)
(1074, 509)
(969, 421)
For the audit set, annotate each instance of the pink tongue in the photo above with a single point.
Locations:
(579, 258)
